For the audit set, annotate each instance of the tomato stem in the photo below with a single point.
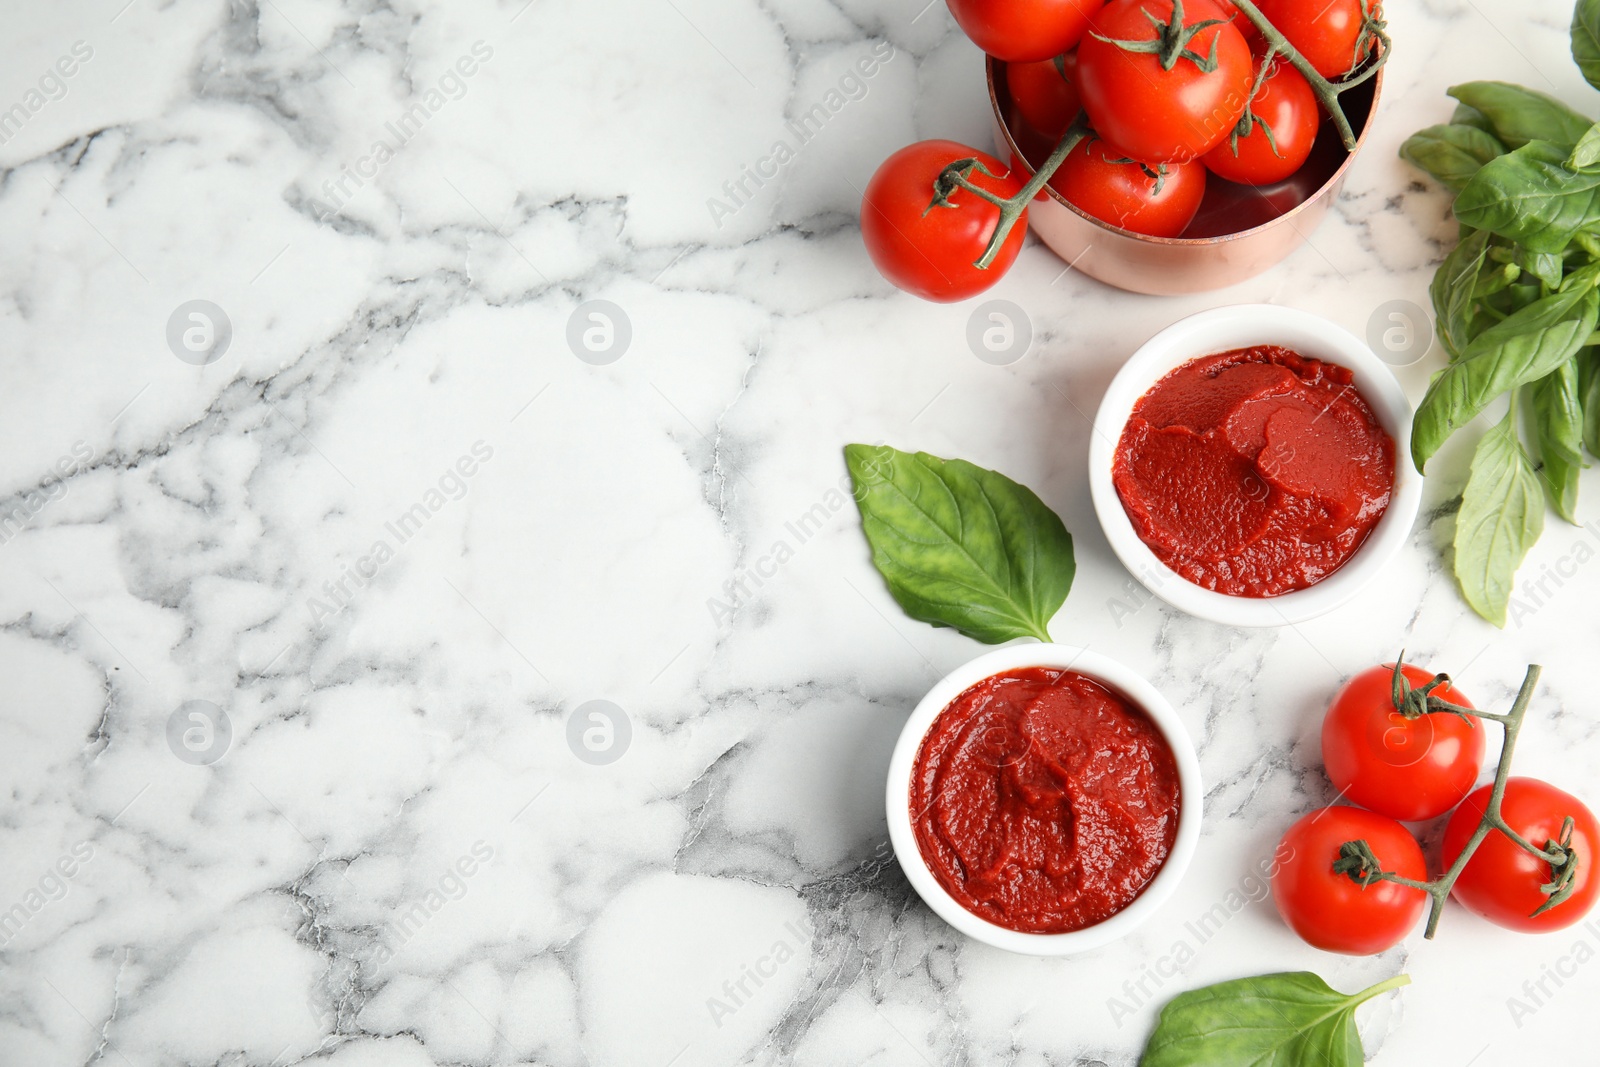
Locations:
(1171, 42)
(954, 176)
(1357, 862)
(1249, 120)
(1374, 41)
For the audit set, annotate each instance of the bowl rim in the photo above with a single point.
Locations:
(1113, 675)
(989, 67)
(1218, 330)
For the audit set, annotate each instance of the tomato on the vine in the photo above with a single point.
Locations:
(1501, 881)
(1286, 118)
(1045, 96)
(1328, 909)
(1330, 34)
(930, 251)
(1157, 115)
(1022, 31)
(1157, 201)
(1410, 769)
(1244, 25)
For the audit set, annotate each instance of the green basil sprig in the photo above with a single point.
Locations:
(1517, 115)
(1558, 423)
(961, 546)
(1294, 1019)
(1526, 346)
(1502, 515)
(1531, 197)
(1589, 394)
(1517, 304)
(1586, 41)
(1451, 153)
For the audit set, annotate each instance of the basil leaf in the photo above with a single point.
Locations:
(1526, 346)
(1452, 291)
(1452, 154)
(1545, 266)
(1467, 115)
(1586, 40)
(1502, 515)
(961, 546)
(1293, 1019)
(1587, 151)
(1517, 115)
(1558, 431)
(1589, 390)
(1497, 280)
(1531, 197)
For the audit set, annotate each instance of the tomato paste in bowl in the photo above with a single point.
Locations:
(1247, 465)
(1044, 799)
(1044, 802)
(1254, 472)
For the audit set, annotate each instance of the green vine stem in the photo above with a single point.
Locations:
(1171, 42)
(1249, 121)
(1373, 30)
(1170, 45)
(1357, 860)
(954, 177)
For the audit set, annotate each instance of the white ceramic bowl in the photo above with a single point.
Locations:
(1114, 676)
(1219, 330)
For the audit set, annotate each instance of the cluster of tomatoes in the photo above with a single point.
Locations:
(1162, 92)
(1413, 769)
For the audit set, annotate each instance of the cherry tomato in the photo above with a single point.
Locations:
(1409, 769)
(1023, 31)
(1156, 115)
(1331, 911)
(1327, 33)
(931, 251)
(1102, 182)
(1048, 102)
(1501, 881)
(1289, 108)
(1252, 36)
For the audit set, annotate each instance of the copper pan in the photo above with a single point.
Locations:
(1239, 231)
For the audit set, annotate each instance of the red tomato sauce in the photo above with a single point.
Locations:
(1044, 802)
(1254, 472)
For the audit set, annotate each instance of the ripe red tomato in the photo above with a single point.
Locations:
(1409, 769)
(930, 251)
(1022, 31)
(1157, 115)
(1501, 881)
(1326, 33)
(1329, 910)
(1287, 105)
(1125, 195)
(1252, 36)
(1048, 102)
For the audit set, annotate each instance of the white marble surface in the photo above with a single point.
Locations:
(398, 859)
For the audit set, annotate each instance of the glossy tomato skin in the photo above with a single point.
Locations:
(1501, 882)
(1024, 31)
(1326, 33)
(1122, 194)
(931, 252)
(1155, 115)
(1047, 101)
(1252, 35)
(1287, 104)
(1407, 769)
(1328, 910)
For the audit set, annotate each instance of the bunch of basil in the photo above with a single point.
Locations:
(1516, 303)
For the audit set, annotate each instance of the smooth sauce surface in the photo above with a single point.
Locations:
(1254, 472)
(1044, 802)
